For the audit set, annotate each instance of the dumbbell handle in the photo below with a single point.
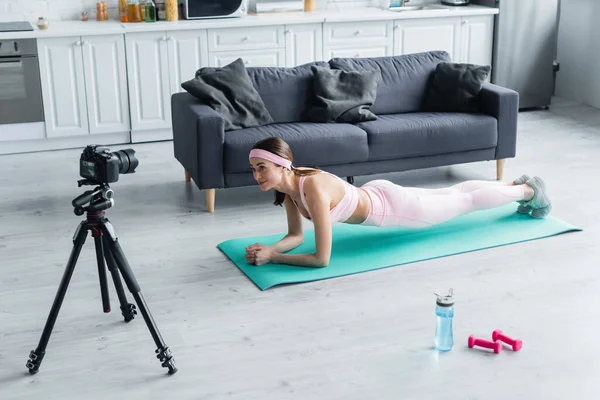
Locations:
(475, 341)
(515, 343)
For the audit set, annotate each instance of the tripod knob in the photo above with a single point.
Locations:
(78, 211)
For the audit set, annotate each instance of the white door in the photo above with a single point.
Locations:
(252, 58)
(421, 35)
(303, 44)
(63, 86)
(106, 83)
(187, 53)
(149, 84)
(477, 36)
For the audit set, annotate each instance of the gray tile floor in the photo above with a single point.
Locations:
(366, 336)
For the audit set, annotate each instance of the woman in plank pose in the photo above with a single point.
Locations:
(326, 199)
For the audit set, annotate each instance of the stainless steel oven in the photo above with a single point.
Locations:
(20, 86)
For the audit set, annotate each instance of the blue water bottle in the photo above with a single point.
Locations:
(444, 310)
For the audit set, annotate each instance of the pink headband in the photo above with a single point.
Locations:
(267, 155)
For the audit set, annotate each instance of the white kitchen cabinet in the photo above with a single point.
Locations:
(303, 44)
(84, 85)
(251, 58)
(63, 86)
(158, 62)
(358, 39)
(477, 39)
(467, 39)
(427, 34)
(105, 72)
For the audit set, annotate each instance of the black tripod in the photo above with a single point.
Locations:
(107, 247)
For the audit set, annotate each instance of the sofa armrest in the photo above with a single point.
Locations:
(198, 138)
(503, 104)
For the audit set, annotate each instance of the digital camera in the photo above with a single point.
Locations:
(100, 165)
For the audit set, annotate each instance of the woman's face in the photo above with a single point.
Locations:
(266, 173)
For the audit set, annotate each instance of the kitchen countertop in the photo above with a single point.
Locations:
(92, 27)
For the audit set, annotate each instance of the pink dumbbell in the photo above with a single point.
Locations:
(475, 341)
(515, 343)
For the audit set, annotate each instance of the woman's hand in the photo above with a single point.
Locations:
(258, 254)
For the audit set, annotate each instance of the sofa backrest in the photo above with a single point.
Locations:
(404, 78)
(286, 92)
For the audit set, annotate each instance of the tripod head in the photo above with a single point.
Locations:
(100, 198)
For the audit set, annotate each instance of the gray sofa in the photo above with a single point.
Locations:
(401, 138)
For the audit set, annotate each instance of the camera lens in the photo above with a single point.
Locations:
(127, 160)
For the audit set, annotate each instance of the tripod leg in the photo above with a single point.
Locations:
(36, 356)
(163, 353)
(127, 309)
(97, 235)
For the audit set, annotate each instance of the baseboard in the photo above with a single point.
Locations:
(155, 135)
(62, 143)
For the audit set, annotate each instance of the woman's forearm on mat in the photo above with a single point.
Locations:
(301, 260)
(289, 242)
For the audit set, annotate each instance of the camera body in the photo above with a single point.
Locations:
(99, 165)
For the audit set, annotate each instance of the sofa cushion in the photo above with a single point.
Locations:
(229, 92)
(424, 134)
(404, 79)
(286, 92)
(313, 144)
(455, 87)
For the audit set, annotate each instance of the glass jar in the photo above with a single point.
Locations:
(171, 10)
(134, 13)
(150, 11)
(123, 11)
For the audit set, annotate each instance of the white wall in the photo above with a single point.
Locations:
(30, 10)
(578, 44)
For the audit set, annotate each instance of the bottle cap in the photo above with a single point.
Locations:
(445, 301)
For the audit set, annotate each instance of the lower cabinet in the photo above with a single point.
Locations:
(157, 64)
(466, 39)
(84, 85)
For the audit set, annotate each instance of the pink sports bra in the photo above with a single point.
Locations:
(344, 209)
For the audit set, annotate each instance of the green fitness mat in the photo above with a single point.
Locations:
(359, 248)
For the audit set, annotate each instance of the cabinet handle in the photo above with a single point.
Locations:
(171, 38)
(85, 42)
(164, 38)
(78, 43)
(245, 38)
(396, 26)
(286, 31)
(465, 22)
(358, 32)
(357, 55)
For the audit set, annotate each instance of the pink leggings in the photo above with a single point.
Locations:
(395, 205)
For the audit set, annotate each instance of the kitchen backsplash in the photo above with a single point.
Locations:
(30, 10)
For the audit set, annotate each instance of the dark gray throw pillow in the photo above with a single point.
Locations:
(342, 96)
(229, 91)
(455, 87)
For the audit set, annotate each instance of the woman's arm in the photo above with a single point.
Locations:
(319, 207)
(294, 237)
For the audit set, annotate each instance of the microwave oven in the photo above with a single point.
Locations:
(199, 9)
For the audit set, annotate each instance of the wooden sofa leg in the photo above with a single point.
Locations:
(187, 177)
(210, 200)
(500, 169)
